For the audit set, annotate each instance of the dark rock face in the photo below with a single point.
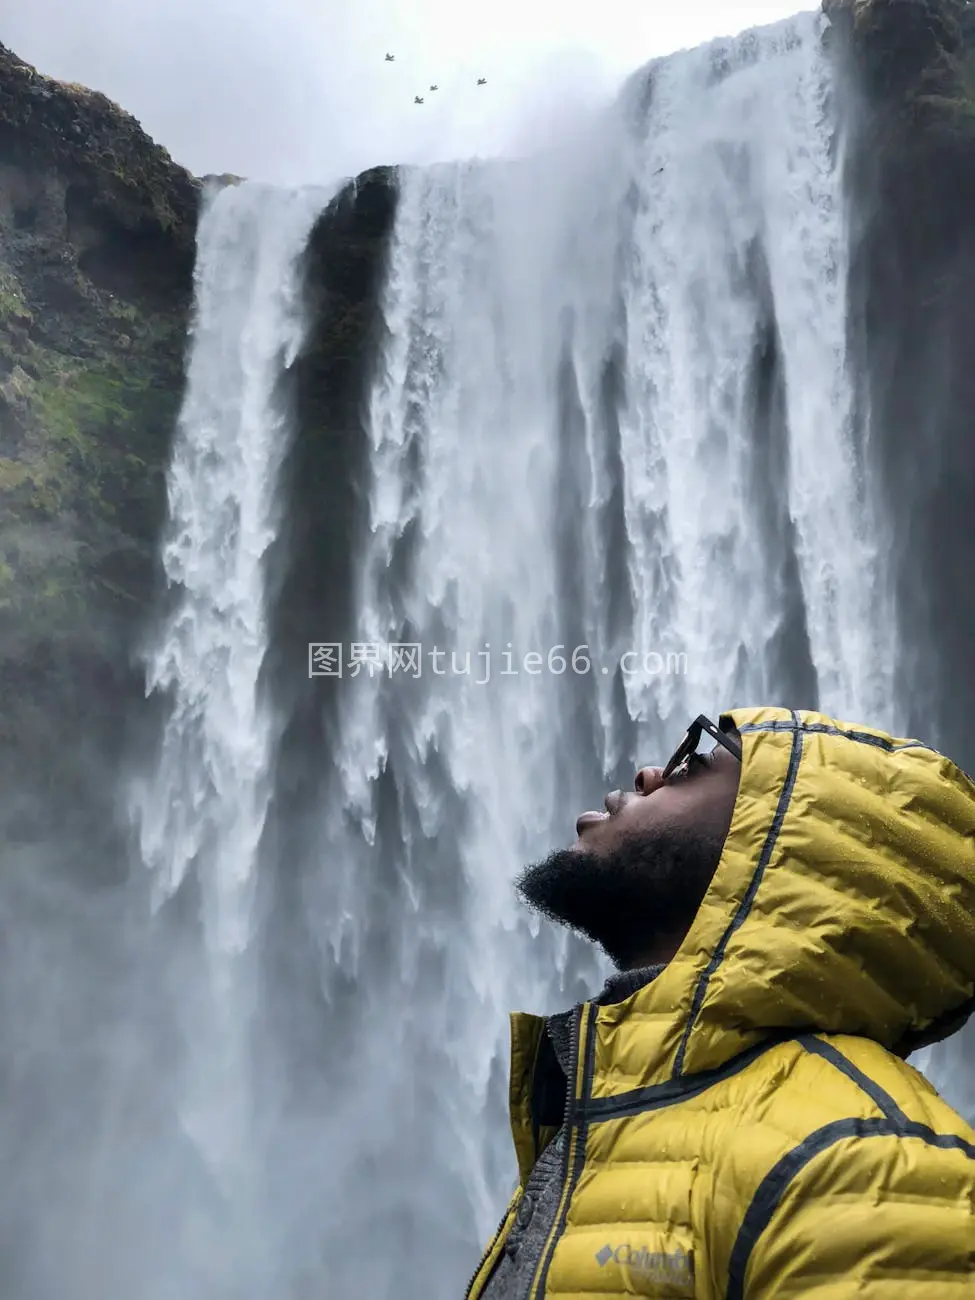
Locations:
(97, 247)
(97, 240)
(905, 50)
(911, 66)
(97, 234)
(324, 479)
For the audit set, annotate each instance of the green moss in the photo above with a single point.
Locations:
(949, 106)
(12, 474)
(122, 310)
(90, 386)
(11, 297)
(52, 592)
(84, 422)
(86, 403)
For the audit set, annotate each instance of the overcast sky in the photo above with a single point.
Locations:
(298, 90)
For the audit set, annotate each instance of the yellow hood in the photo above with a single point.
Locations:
(844, 903)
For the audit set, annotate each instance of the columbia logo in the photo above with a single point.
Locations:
(676, 1267)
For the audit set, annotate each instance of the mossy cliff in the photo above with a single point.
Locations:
(97, 245)
(97, 238)
(97, 231)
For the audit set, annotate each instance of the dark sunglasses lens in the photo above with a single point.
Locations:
(683, 751)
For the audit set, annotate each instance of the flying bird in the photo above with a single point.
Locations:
(390, 58)
(434, 87)
(417, 99)
(482, 81)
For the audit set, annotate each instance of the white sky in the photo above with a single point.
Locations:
(299, 91)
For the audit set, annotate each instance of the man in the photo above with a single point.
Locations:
(791, 915)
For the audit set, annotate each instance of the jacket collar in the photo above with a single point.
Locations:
(616, 989)
(541, 1062)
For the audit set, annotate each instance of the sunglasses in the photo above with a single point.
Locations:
(687, 748)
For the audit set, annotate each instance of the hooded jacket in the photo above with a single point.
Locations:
(745, 1127)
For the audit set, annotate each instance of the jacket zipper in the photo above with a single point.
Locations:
(570, 1096)
(490, 1246)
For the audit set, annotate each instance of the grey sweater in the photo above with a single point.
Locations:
(538, 1207)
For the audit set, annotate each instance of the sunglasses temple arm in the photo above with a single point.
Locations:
(717, 734)
(730, 745)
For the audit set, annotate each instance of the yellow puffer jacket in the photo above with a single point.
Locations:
(745, 1127)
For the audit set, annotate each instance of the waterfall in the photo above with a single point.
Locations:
(202, 811)
(616, 447)
(616, 480)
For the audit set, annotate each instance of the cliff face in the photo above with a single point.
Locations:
(97, 245)
(97, 229)
(324, 478)
(97, 234)
(911, 80)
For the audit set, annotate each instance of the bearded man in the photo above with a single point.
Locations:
(791, 915)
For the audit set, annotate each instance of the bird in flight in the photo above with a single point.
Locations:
(434, 87)
(390, 58)
(482, 81)
(417, 99)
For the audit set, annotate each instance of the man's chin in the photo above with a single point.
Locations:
(626, 898)
(552, 885)
(570, 887)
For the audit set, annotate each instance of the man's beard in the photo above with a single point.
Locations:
(647, 889)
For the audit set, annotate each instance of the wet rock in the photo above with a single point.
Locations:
(97, 243)
(325, 477)
(910, 66)
(911, 57)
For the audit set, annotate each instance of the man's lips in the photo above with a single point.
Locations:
(613, 802)
(590, 819)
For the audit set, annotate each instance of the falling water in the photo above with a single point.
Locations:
(616, 448)
(202, 813)
(614, 428)
(738, 257)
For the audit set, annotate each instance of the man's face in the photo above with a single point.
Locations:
(635, 877)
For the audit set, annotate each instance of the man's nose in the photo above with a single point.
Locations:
(648, 779)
